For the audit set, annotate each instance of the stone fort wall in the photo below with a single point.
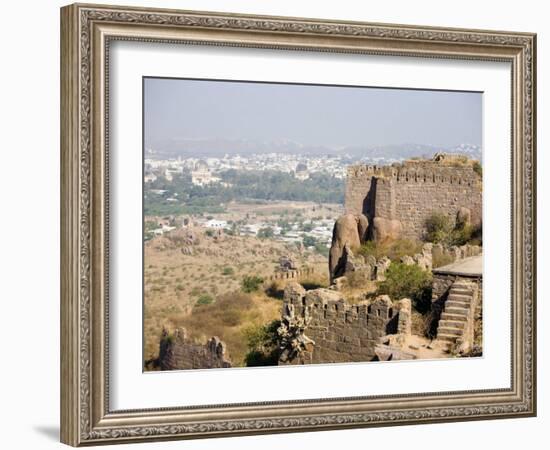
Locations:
(412, 191)
(177, 352)
(343, 332)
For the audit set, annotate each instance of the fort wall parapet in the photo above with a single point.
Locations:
(292, 274)
(178, 352)
(341, 332)
(410, 192)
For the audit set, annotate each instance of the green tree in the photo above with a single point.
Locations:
(408, 281)
(441, 230)
(262, 342)
(251, 283)
(265, 233)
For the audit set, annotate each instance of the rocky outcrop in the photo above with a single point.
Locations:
(386, 229)
(349, 233)
(287, 263)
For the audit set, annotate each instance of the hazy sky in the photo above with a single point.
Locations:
(311, 115)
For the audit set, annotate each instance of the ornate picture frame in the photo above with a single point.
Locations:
(86, 34)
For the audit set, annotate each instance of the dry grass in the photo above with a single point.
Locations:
(420, 323)
(174, 282)
(393, 249)
(358, 288)
(229, 318)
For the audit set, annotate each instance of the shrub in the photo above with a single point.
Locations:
(393, 249)
(275, 290)
(251, 283)
(195, 291)
(309, 241)
(441, 230)
(461, 235)
(408, 281)
(438, 228)
(265, 233)
(228, 271)
(262, 342)
(478, 168)
(441, 259)
(322, 249)
(357, 279)
(204, 299)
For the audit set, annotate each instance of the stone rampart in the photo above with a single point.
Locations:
(292, 274)
(336, 331)
(177, 352)
(411, 192)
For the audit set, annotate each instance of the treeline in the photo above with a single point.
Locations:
(239, 185)
(274, 185)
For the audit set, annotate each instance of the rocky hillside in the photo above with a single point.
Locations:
(189, 268)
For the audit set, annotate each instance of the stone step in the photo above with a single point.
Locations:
(460, 298)
(466, 290)
(450, 330)
(455, 310)
(447, 337)
(452, 323)
(455, 304)
(463, 283)
(454, 317)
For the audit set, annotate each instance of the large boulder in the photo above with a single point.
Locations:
(362, 227)
(386, 229)
(345, 237)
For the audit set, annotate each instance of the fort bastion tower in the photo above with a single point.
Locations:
(407, 194)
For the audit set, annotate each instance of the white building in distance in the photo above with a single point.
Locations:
(217, 224)
(202, 175)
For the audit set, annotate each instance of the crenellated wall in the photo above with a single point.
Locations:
(292, 274)
(412, 191)
(342, 332)
(177, 352)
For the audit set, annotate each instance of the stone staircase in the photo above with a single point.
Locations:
(456, 321)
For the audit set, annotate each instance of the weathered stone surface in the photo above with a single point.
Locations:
(347, 235)
(410, 192)
(386, 229)
(381, 266)
(177, 352)
(293, 292)
(340, 332)
(404, 324)
(287, 263)
(362, 227)
(407, 260)
(390, 353)
(187, 250)
(322, 295)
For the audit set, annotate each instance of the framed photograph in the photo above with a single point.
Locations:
(276, 224)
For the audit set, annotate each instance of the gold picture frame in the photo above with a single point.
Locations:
(86, 32)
